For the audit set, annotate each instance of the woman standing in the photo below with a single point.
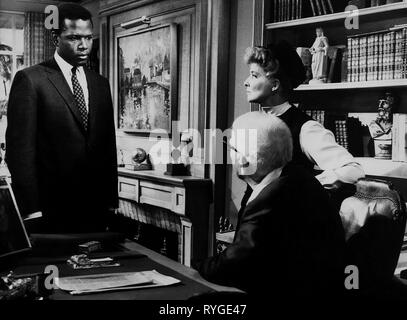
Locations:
(274, 73)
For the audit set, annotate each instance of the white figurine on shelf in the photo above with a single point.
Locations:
(319, 52)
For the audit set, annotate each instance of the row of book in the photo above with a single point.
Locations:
(380, 55)
(399, 137)
(348, 131)
(158, 217)
(285, 10)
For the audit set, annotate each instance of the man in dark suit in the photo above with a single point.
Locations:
(60, 139)
(289, 240)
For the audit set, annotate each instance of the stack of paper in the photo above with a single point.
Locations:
(114, 281)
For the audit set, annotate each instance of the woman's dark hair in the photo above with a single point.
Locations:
(71, 11)
(279, 61)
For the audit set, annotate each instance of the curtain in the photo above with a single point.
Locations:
(37, 39)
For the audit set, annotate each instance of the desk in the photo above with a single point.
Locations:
(191, 283)
(175, 203)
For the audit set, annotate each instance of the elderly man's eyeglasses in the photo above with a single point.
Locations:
(244, 160)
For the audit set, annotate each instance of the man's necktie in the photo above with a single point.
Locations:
(79, 98)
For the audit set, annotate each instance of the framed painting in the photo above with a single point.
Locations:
(147, 79)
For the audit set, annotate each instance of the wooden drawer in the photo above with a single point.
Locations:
(171, 198)
(129, 188)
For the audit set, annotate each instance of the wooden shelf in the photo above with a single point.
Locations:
(336, 16)
(383, 168)
(354, 85)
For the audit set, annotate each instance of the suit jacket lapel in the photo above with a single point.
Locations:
(58, 81)
(93, 98)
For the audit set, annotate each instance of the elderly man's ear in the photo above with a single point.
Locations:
(247, 166)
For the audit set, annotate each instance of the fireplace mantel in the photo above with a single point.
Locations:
(186, 198)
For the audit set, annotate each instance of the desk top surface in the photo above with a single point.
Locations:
(141, 259)
(158, 176)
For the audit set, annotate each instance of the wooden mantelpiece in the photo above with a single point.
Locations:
(186, 197)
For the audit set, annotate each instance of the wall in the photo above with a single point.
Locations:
(93, 6)
(27, 5)
(240, 38)
(191, 20)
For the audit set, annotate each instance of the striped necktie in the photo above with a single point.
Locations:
(79, 98)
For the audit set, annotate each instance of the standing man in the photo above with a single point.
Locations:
(61, 145)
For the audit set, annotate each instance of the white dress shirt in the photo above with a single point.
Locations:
(66, 69)
(319, 146)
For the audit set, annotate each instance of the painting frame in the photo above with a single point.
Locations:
(134, 96)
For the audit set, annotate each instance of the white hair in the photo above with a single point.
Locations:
(274, 140)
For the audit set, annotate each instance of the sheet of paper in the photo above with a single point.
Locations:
(114, 282)
(101, 281)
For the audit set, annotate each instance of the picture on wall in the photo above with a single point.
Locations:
(147, 79)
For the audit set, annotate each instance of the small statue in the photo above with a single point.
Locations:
(319, 52)
(380, 129)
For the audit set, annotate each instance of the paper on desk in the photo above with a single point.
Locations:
(114, 281)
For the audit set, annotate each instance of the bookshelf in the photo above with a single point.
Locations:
(364, 14)
(394, 83)
(344, 97)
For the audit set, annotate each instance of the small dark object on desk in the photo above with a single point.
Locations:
(91, 246)
(403, 274)
(177, 169)
(82, 261)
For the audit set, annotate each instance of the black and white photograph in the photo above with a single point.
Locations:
(203, 159)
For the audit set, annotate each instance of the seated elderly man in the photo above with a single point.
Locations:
(289, 239)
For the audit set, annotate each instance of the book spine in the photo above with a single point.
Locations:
(280, 10)
(289, 3)
(395, 156)
(356, 67)
(380, 54)
(318, 7)
(313, 7)
(392, 51)
(344, 65)
(386, 56)
(404, 54)
(288, 11)
(275, 5)
(375, 47)
(333, 65)
(325, 11)
(398, 55)
(362, 58)
(300, 15)
(350, 57)
(373, 58)
(369, 58)
(331, 9)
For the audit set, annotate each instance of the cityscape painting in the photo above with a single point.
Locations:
(147, 79)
